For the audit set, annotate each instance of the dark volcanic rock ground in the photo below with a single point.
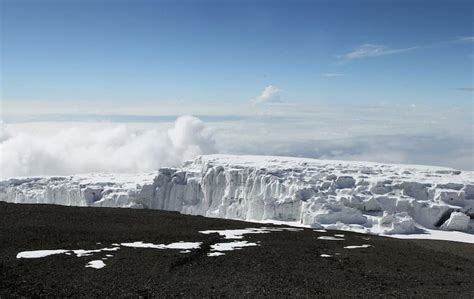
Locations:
(286, 264)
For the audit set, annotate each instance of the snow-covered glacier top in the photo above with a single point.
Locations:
(361, 196)
(373, 170)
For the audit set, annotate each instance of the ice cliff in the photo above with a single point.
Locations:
(371, 197)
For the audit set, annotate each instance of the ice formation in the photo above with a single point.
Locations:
(362, 196)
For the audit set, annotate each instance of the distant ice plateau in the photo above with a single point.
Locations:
(367, 197)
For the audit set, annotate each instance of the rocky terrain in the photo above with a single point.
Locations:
(283, 262)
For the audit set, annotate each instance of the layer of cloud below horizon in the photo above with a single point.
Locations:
(118, 148)
(381, 134)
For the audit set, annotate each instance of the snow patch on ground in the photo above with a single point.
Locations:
(215, 254)
(184, 247)
(82, 252)
(233, 234)
(357, 246)
(39, 253)
(329, 238)
(229, 246)
(97, 264)
(178, 245)
(237, 234)
(431, 234)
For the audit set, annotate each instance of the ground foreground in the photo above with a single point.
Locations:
(286, 263)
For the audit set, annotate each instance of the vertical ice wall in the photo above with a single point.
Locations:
(378, 197)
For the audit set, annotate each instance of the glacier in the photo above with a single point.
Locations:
(367, 197)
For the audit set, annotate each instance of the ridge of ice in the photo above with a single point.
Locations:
(368, 197)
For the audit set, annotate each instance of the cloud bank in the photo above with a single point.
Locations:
(114, 149)
(381, 133)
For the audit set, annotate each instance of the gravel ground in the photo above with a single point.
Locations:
(286, 264)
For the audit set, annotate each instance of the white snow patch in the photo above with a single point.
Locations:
(183, 245)
(77, 252)
(215, 253)
(140, 244)
(357, 246)
(234, 234)
(96, 264)
(330, 238)
(237, 234)
(178, 245)
(431, 234)
(39, 253)
(229, 246)
(83, 252)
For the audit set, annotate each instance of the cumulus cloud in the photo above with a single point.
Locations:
(115, 149)
(4, 135)
(371, 50)
(271, 94)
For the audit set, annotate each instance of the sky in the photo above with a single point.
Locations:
(332, 79)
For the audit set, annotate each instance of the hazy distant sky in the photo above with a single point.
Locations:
(387, 81)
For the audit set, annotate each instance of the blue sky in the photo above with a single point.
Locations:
(229, 51)
(385, 81)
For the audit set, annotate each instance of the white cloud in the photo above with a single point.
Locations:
(331, 75)
(382, 133)
(388, 133)
(271, 94)
(371, 50)
(113, 149)
(376, 50)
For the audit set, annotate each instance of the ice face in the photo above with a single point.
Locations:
(363, 196)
